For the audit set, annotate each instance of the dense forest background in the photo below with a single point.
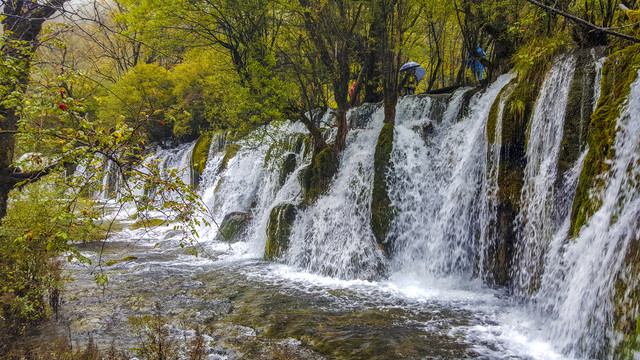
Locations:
(86, 81)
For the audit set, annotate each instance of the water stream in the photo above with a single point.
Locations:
(335, 294)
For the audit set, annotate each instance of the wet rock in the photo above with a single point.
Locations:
(279, 230)
(288, 166)
(233, 226)
(381, 211)
(316, 178)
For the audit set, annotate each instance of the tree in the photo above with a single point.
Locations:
(22, 24)
(331, 26)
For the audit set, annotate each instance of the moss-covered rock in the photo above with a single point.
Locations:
(233, 226)
(279, 230)
(382, 212)
(626, 314)
(289, 164)
(620, 70)
(517, 113)
(316, 178)
(127, 258)
(578, 112)
(200, 154)
(230, 153)
(492, 121)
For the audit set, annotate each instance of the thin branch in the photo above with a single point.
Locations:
(583, 22)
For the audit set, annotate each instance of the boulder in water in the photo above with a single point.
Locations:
(233, 226)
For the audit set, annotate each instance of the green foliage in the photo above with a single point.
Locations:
(140, 99)
(39, 225)
(535, 57)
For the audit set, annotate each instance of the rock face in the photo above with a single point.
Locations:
(279, 230)
(381, 210)
(199, 156)
(316, 178)
(288, 166)
(233, 227)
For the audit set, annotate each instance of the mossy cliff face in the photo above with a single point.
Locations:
(279, 230)
(626, 314)
(233, 226)
(288, 166)
(518, 110)
(230, 153)
(201, 152)
(381, 211)
(492, 121)
(618, 73)
(578, 112)
(316, 178)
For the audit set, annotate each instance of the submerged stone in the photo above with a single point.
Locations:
(279, 230)
(233, 226)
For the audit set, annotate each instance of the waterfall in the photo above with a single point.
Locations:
(248, 183)
(443, 187)
(536, 220)
(578, 285)
(437, 186)
(333, 236)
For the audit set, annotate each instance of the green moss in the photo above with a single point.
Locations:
(229, 154)
(578, 112)
(128, 258)
(201, 152)
(618, 73)
(517, 112)
(288, 166)
(626, 314)
(316, 178)
(233, 226)
(382, 212)
(147, 223)
(279, 230)
(495, 111)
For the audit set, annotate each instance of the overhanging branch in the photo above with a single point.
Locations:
(583, 22)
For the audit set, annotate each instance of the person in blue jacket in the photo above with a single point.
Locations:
(475, 65)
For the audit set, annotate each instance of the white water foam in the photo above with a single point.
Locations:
(438, 188)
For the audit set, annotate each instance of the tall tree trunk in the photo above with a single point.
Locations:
(22, 23)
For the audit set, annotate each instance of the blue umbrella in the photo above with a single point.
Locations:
(409, 65)
(420, 73)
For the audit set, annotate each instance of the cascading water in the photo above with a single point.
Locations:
(438, 187)
(333, 237)
(443, 185)
(578, 285)
(250, 185)
(536, 221)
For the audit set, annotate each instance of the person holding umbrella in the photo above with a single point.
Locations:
(413, 73)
